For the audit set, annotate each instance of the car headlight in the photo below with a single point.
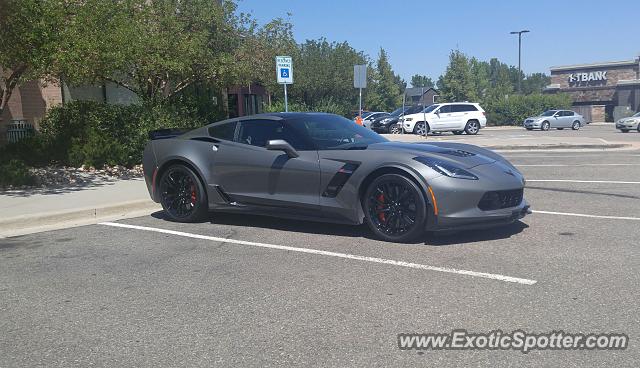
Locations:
(446, 169)
(408, 119)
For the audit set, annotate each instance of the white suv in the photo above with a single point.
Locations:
(456, 117)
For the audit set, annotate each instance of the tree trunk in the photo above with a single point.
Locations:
(9, 84)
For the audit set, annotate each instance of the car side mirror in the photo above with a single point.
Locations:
(282, 145)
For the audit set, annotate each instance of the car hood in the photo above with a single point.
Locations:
(463, 155)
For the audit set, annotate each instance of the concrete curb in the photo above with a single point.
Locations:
(28, 224)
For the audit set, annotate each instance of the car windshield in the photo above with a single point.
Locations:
(397, 112)
(332, 132)
(636, 115)
(548, 113)
(431, 108)
(366, 114)
(413, 110)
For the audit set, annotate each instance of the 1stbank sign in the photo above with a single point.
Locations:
(587, 78)
(284, 69)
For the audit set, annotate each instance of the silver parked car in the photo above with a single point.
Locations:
(630, 123)
(557, 119)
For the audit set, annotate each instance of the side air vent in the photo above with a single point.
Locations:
(339, 179)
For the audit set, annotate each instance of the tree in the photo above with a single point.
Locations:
(158, 48)
(457, 82)
(535, 83)
(30, 37)
(418, 80)
(323, 75)
(384, 93)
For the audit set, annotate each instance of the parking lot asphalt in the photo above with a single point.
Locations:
(169, 294)
(607, 132)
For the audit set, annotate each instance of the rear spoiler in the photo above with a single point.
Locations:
(166, 133)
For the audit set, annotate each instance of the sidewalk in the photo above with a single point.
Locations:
(34, 210)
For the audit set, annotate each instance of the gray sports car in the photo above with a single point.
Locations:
(324, 167)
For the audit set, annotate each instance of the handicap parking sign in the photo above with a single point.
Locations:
(284, 69)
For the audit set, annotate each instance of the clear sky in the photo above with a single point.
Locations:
(419, 34)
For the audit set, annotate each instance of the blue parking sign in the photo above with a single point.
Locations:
(284, 72)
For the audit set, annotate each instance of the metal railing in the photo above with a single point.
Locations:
(19, 129)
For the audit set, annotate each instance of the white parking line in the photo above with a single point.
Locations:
(572, 165)
(516, 156)
(331, 254)
(582, 181)
(585, 215)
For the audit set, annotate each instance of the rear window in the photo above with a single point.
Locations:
(463, 108)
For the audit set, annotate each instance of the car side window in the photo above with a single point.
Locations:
(444, 109)
(259, 132)
(225, 131)
(568, 113)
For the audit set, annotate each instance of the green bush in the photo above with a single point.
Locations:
(513, 110)
(97, 134)
(15, 172)
(328, 105)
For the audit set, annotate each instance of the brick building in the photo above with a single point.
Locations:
(600, 91)
(30, 101)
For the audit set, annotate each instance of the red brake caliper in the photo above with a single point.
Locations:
(379, 207)
(193, 194)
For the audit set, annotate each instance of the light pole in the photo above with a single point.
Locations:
(519, 33)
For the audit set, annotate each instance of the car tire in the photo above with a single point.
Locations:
(395, 208)
(420, 128)
(182, 194)
(458, 132)
(545, 126)
(638, 128)
(576, 125)
(472, 127)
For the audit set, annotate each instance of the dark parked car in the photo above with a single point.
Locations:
(387, 124)
(323, 167)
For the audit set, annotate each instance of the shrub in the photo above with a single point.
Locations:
(328, 105)
(15, 172)
(96, 134)
(512, 110)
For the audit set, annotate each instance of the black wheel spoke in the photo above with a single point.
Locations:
(178, 193)
(392, 207)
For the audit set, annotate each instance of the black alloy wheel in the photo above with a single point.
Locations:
(395, 208)
(182, 195)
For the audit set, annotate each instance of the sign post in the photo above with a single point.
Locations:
(360, 82)
(284, 74)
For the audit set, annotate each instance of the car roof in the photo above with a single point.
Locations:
(456, 103)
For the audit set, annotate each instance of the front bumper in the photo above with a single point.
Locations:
(627, 125)
(532, 124)
(458, 199)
